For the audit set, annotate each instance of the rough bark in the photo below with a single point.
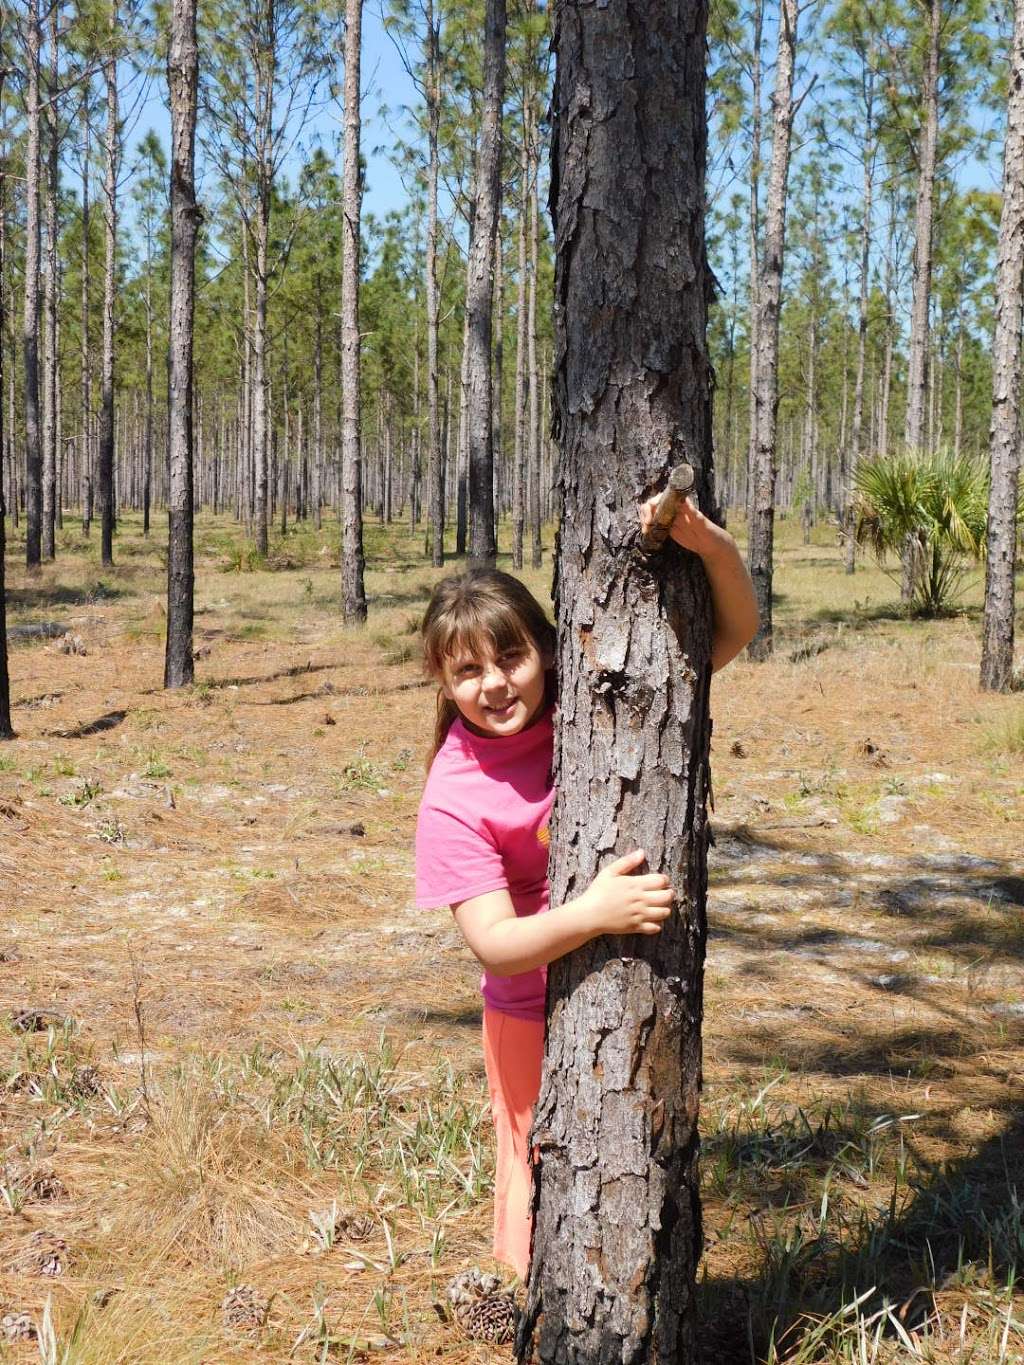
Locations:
(85, 361)
(618, 1230)
(182, 78)
(30, 329)
(353, 593)
(147, 473)
(519, 448)
(857, 427)
(435, 455)
(755, 241)
(105, 469)
(760, 551)
(917, 360)
(479, 294)
(52, 189)
(1004, 448)
(533, 482)
(6, 728)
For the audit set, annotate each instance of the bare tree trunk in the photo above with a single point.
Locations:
(317, 496)
(112, 153)
(147, 475)
(260, 431)
(760, 551)
(480, 292)
(618, 1228)
(498, 376)
(6, 728)
(1004, 448)
(182, 79)
(85, 458)
(856, 435)
(755, 244)
(353, 593)
(435, 455)
(958, 402)
(50, 302)
(519, 472)
(462, 459)
(533, 379)
(917, 365)
(30, 334)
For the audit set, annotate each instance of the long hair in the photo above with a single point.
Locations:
(469, 610)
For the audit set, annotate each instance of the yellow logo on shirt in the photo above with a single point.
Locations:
(544, 837)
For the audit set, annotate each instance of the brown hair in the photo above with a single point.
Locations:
(467, 609)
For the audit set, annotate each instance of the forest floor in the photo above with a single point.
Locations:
(262, 1070)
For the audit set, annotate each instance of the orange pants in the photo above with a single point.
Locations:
(513, 1051)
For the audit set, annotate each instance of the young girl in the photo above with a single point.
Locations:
(482, 833)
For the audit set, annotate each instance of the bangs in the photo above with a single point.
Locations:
(485, 626)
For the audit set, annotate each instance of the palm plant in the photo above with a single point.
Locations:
(930, 508)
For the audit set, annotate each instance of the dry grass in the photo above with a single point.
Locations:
(286, 1090)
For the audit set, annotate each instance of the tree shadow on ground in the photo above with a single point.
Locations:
(957, 1226)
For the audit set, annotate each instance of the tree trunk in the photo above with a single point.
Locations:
(50, 303)
(917, 364)
(519, 472)
(182, 76)
(260, 426)
(498, 376)
(480, 293)
(147, 473)
(435, 456)
(618, 1230)
(353, 593)
(30, 334)
(533, 381)
(856, 435)
(755, 243)
(760, 551)
(106, 452)
(85, 354)
(1004, 448)
(6, 728)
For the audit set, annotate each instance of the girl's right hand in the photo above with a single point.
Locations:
(623, 903)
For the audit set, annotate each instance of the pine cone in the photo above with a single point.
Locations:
(45, 1185)
(44, 1254)
(85, 1081)
(17, 1327)
(354, 1225)
(492, 1319)
(243, 1308)
(482, 1310)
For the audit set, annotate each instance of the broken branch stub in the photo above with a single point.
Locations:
(681, 482)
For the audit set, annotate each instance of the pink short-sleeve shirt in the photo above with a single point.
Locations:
(483, 826)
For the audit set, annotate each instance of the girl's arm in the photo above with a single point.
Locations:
(732, 592)
(615, 902)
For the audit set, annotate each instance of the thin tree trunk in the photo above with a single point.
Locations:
(182, 78)
(353, 593)
(917, 365)
(533, 381)
(617, 1231)
(480, 294)
(6, 728)
(260, 425)
(856, 435)
(1004, 447)
(760, 552)
(435, 455)
(497, 378)
(755, 244)
(147, 477)
(50, 303)
(958, 402)
(106, 452)
(519, 472)
(317, 496)
(85, 458)
(30, 333)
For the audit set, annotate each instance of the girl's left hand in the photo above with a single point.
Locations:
(691, 528)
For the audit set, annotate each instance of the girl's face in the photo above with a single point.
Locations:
(497, 694)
